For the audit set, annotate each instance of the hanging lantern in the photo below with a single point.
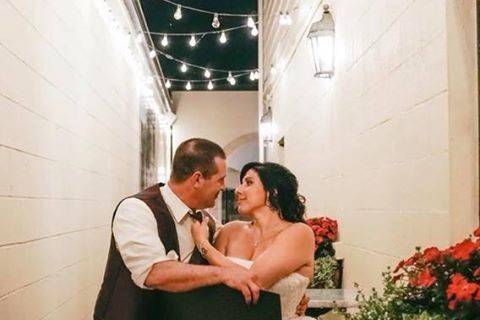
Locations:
(322, 39)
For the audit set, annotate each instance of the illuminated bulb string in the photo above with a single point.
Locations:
(226, 14)
(168, 56)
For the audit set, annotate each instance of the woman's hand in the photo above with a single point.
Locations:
(200, 231)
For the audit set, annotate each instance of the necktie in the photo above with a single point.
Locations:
(197, 215)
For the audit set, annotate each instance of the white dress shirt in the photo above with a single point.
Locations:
(136, 235)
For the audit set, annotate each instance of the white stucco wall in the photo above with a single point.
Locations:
(389, 145)
(69, 150)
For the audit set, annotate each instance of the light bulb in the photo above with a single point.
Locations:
(257, 75)
(168, 84)
(193, 41)
(183, 68)
(223, 37)
(231, 79)
(250, 22)
(254, 31)
(252, 76)
(207, 73)
(152, 54)
(188, 86)
(164, 40)
(178, 13)
(139, 38)
(215, 21)
(288, 19)
(210, 85)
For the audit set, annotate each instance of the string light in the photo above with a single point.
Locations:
(231, 79)
(170, 57)
(250, 22)
(178, 13)
(200, 33)
(188, 86)
(252, 76)
(215, 21)
(164, 40)
(223, 38)
(193, 41)
(207, 73)
(152, 54)
(210, 85)
(183, 68)
(254, 31)
(168, 84)
(211, 12)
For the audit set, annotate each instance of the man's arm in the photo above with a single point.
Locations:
(178, 277)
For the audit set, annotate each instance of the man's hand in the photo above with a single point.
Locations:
(302, 306)
(243, 281)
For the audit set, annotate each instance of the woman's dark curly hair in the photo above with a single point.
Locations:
(282, 188)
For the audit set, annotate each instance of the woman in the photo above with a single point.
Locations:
(276, 245)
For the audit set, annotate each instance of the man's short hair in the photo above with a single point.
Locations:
(195, 155)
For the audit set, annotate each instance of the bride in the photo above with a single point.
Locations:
(276, 245)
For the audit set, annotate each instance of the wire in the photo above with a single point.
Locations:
(226, 14)
(206, 80)
(199, 33)
(166, 55)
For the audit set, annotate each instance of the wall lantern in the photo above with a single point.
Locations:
(267, 129)
(322, 38)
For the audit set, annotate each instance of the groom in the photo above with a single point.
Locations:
(152, 252)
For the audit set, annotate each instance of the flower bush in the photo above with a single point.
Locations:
(326, 232)
(326, 269)
(431, 284)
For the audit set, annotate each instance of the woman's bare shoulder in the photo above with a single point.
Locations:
(298, 230)
(234, 227)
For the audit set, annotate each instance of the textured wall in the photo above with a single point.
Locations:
(372, 146)
(69, 149)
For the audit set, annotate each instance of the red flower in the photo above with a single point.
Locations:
(410, 261)
(462, 250)
(476, 233)
(460, 290)
(476, 273)
(399, 266)
(424, 279)
(431, 254)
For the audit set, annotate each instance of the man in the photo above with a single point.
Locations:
(151, 245)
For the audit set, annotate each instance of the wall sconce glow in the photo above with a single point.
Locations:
(152, 54)
(322, 38)
(267, 128)
(178, 13)
(164, 41)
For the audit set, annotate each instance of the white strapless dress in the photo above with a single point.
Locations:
(291, 290)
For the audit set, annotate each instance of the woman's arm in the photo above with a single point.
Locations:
(215, 254)
(291, 250)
